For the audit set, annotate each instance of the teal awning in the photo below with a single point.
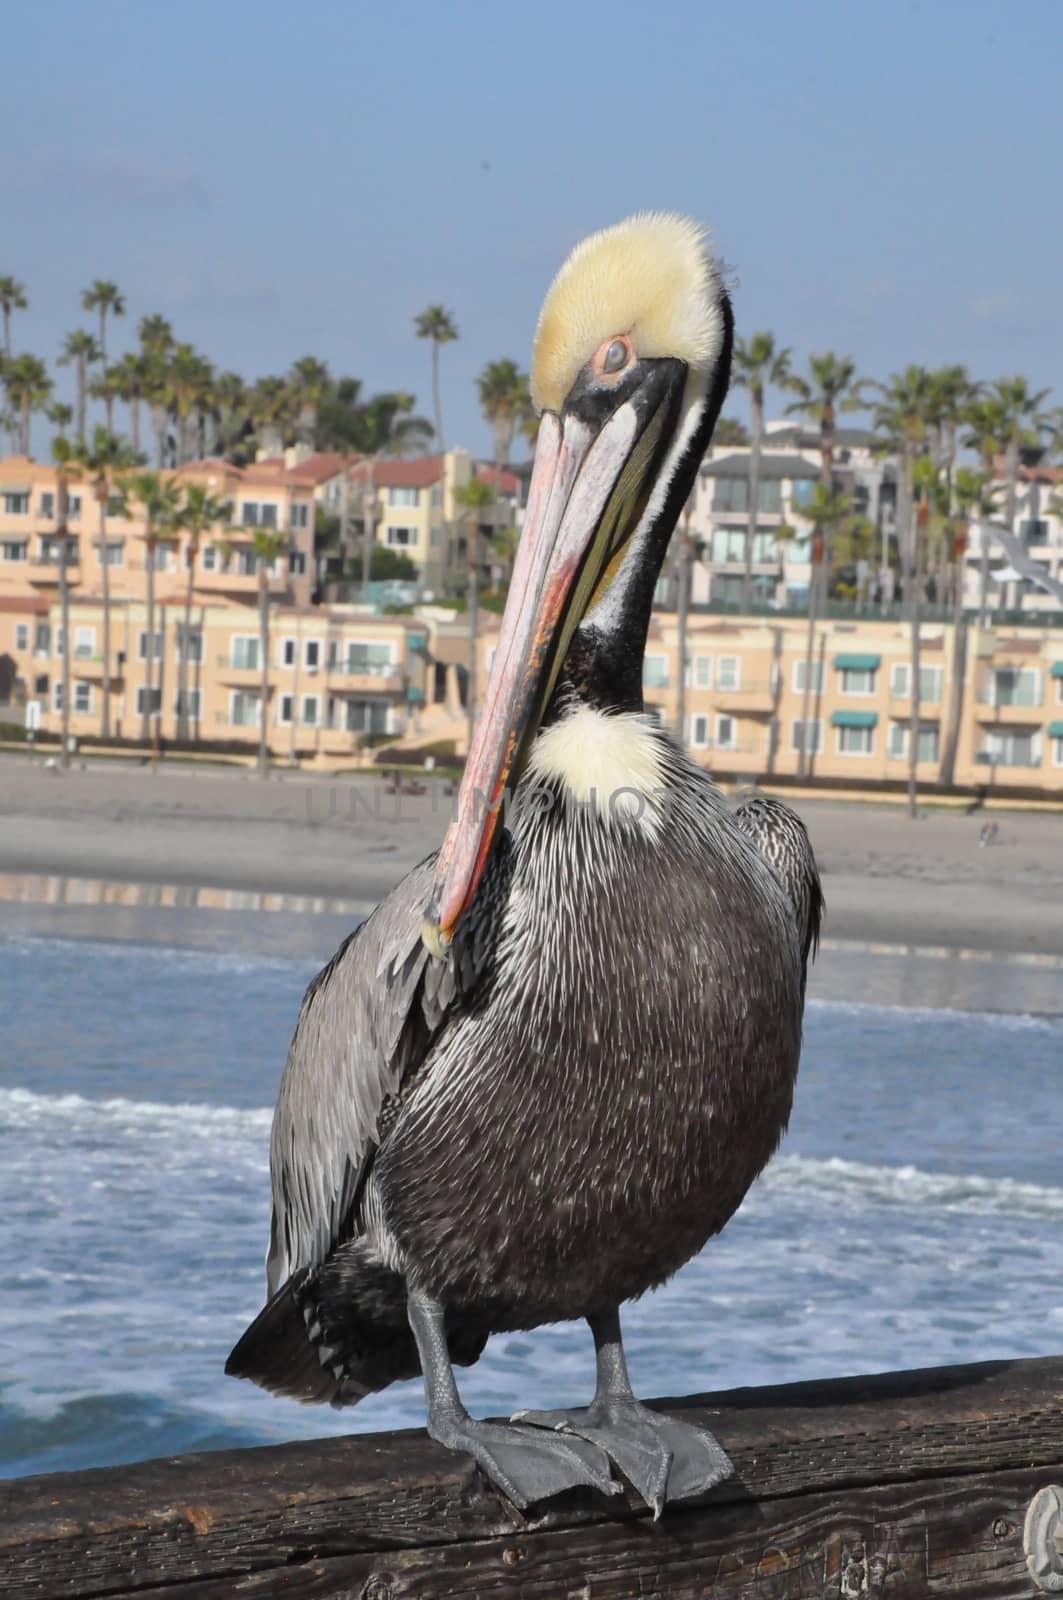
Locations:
(857, 663)
(1055, 730)
(853, 719)
(1057, 669)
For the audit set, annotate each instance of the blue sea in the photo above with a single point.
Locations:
(913, 1217)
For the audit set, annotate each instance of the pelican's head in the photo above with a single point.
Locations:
(629, 369)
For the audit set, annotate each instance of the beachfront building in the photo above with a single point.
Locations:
(1039, 530)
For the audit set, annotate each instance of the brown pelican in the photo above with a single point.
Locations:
(549, 1066)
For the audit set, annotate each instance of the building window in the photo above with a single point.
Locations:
(296, 563)
(310, 709)
(57, 694)
(48, 505)
(142, 646)
(1014, 686)
(815, 677)
(284, 709)
(929, 682)
(73, 507)
(287, 653)
(372, 660)
(14, 549)
(699, 732)
(208, 558)
(403, 496)
(726, 733)
(401, 538)
(814, 743)
(312, 654)
(701, 672)
(194, 641)
(22, 636)
(157, 559)
(42, 639)
(59, 641)
(366, 716)
(244, 709)
(258, 514)
(243, 652)
(83, 698)
(1011, 749)
(857, 680)
(300, 515)
(728, 544)
(51, 549)
(728, 673)
(193, 697)
(655, 672)
(16, 502)
(1033, 530)
(142, 700)
(84, 643)
(110, 553)
(856, 741)
(928, 741)
(1057, 751)
(40, 684)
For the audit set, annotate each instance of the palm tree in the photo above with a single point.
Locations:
(129, 386)
(504, 401)
(473, 497)
(108, 386)
(67, 466)
(201, 510)
(28, 387)
(1023, 418)
(986, 423)
(757, 363)
(104, 459)
(951, 391)
(385, 427)
(267, 547)
(188, 376)
(729, 431)
(271, 410)
(308, 382)
(60, 415)
(103, 297)
(831, 515)
(156, 343)
(79, 348)
(436, 323)
(230, 410)
(12, 298)
(159, 498)
(972, 495)
(155, 335)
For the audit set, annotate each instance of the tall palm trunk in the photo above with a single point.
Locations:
(436, 405)
(64, 623)
(186, 643)
(105, 569)
(473, 613)
(26, 414)
(134, 425)
(369, 521)
(815, 578)
(145, 719)
(345, 515)
(957, 686)
(81, 381)
(159, 420)
(263, 651)
(756, 406)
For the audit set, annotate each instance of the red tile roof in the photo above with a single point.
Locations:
(316, 469)
(508, 482)
(19, 603)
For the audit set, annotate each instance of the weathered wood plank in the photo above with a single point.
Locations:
(819, 1468)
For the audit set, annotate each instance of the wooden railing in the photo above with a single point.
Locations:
(905, 1485)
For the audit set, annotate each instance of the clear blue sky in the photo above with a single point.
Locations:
(281, 180)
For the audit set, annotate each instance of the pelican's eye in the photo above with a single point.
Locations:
(612, 357)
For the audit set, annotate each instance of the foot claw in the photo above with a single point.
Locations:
(664, 1459)
(524, 1464)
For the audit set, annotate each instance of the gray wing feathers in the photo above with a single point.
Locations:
(352, 1044)
(782, 839)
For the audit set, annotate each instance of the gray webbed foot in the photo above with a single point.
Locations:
(664, 1459)
(526, 1465)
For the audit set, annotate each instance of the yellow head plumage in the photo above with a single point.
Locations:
(650, 277)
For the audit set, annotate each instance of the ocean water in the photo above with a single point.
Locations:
(914, 1215)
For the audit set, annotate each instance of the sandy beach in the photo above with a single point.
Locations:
(887, 879)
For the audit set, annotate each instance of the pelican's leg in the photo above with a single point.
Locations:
(664, 1459)
(525, 1464)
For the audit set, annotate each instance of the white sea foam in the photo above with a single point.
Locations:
(838, 1180)
(1006, 1021)
(22, 1108)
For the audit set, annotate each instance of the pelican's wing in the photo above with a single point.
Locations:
(366, 1021)
(782, 839)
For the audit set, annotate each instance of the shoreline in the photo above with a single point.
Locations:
(888, 880)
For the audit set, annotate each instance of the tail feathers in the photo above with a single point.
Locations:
(304, 1346)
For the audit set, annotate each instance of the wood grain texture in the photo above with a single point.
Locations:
(888, 1485)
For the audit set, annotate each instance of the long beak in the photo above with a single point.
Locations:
(588, 488)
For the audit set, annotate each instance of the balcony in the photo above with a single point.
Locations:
(238, 673)
(219, 582)
(91, 667)
(1008, 714)
(756, 698)
(45, 570)
(364, 680)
